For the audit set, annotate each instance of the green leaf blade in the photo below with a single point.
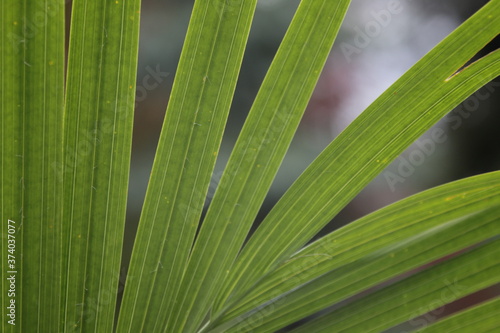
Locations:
(32, 83)
(418, 294)
(186, 154)
(97, 145)
(12, 136)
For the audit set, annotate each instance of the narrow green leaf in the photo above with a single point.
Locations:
(98, 130)
(383, 228)
(31, 90)
(398, 117)
(375, 268)
(259, 151)
(419, 294)
(189, 142)
(478, 319)
(12, 137)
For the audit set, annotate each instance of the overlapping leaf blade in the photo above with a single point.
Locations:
(189, 142)
(259, 151)
(399, 116)
(389, 226)
(418, 294)
(368, 271)
(98, 119)
(31, 97)
(478, 319)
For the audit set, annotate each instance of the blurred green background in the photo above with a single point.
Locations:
(359, 69)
